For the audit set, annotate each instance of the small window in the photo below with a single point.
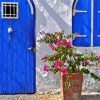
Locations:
(9, 10)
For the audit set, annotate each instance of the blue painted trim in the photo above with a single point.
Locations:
(31, 6)
(34, 45)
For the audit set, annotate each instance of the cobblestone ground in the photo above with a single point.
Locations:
(31, 97)
(91, 96)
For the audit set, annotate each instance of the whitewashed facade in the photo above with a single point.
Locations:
(52, 16)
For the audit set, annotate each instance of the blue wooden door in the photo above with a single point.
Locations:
(96, 35)
(81, 22)
(17, 61)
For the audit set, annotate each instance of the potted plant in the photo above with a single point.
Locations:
(68, 62)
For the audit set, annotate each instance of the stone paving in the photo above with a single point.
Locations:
(86, 96)
(30, 97)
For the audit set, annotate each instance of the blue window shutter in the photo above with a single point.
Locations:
(96, 35)
(81, 22)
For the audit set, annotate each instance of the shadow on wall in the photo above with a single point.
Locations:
(67, 2)
(40, 20)
(55, 16)
(46, 81)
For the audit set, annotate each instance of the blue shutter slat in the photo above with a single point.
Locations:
(96, 36)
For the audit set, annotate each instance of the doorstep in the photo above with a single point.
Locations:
(91, 96)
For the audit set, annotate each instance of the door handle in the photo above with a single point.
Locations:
(98, 11)
(33, 49)
(79, 11)
(10, 32)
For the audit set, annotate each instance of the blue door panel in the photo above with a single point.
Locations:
(82, 5)
(96, 35)
(18, 64)
(82, 23)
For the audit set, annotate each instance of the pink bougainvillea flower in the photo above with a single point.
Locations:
(64, 70)
(58, 63)
(60, 70)
(98, 57)
(58, 42)
(69, 44)
(59, 39)
(51, 46)
(85, 63)
(64, 41)
(45, 68)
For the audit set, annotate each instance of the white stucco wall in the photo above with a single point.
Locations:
(52, 16)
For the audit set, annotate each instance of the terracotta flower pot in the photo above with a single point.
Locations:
(74, 92)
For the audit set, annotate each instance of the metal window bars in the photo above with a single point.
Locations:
(9, 9)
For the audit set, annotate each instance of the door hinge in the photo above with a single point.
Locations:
(79, 11)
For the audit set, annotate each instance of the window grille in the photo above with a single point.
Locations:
(9, 10)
